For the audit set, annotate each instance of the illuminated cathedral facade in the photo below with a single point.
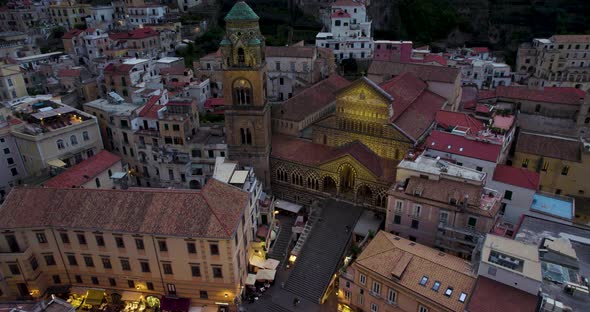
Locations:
(350, 153)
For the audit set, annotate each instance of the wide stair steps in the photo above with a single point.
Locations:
(279, 249)
(323, 250)
(315, 215)
(273, 307)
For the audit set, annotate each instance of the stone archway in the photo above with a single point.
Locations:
(364, 194)
(347, 176)
(329, 185)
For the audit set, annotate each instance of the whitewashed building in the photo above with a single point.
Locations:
(349, 31)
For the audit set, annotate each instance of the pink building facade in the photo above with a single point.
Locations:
(393, 51)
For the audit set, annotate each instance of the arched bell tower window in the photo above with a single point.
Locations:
(242, 92)
(241, 57)
(246, 136)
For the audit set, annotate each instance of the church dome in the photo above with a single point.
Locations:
(241, 12)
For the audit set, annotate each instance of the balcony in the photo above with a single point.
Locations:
(10, 256)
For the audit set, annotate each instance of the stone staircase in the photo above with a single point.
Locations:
(279, 249)
(323, 250)
(314, 216)
(273, 307)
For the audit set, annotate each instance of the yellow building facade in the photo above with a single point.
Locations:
(207, 265)
(562, 163)
(12, 84)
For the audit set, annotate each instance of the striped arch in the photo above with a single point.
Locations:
(312, 180)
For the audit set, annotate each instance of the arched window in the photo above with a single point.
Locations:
(97, 182)
(313, 183)
(74, 140)
(281, 175)
(242, 92)
(296, 178)
(60, 144)
(241, 57)
(248, 137)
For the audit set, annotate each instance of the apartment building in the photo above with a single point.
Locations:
(293, 68)
(24, 16)
(125, 77)
(551, 102)
(161, 140)
(562, 162)
(53, 134)
(396, 274)
(68, 13)
(147, 13)
(511, 262)
(101, 17)
(349, 31)
(442, 205)
(12, 84)
(189, 244)
(557, 61)
(12, 170)
(138, 43)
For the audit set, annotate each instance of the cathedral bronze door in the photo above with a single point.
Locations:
(347, 177)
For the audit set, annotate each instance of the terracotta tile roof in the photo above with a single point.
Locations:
(491, 296)
(571, 96)
(481, 108)
(571, 38)
(139, 33)
(439, 59)
(310, 100)
(517, 176)
(292, 51)
(69, 72)
(213, 212)
(503, 122)
(211, 103)
(313, 154)
(118, 68)
(422, 71)
(85, 171)
(387, 253)
(460, 145)
(151, 108)
(486, 94)
(404, 89)
(444, 189)
(549, 146)
(449, 120)
(419, 117)
(214, 55)
(72, 33)
(340, 14)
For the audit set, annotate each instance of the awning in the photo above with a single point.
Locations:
(130, 296)
(288, 206)
(56, 163)
(271, 264)
(94, 296)
(175, 304)
(257, 261)
(266, 275)
(251, 279)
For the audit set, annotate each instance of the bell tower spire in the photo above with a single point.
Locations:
(247, 114)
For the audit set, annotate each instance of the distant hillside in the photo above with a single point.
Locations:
(501, 24)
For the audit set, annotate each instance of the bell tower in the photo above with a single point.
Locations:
(247, 112)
